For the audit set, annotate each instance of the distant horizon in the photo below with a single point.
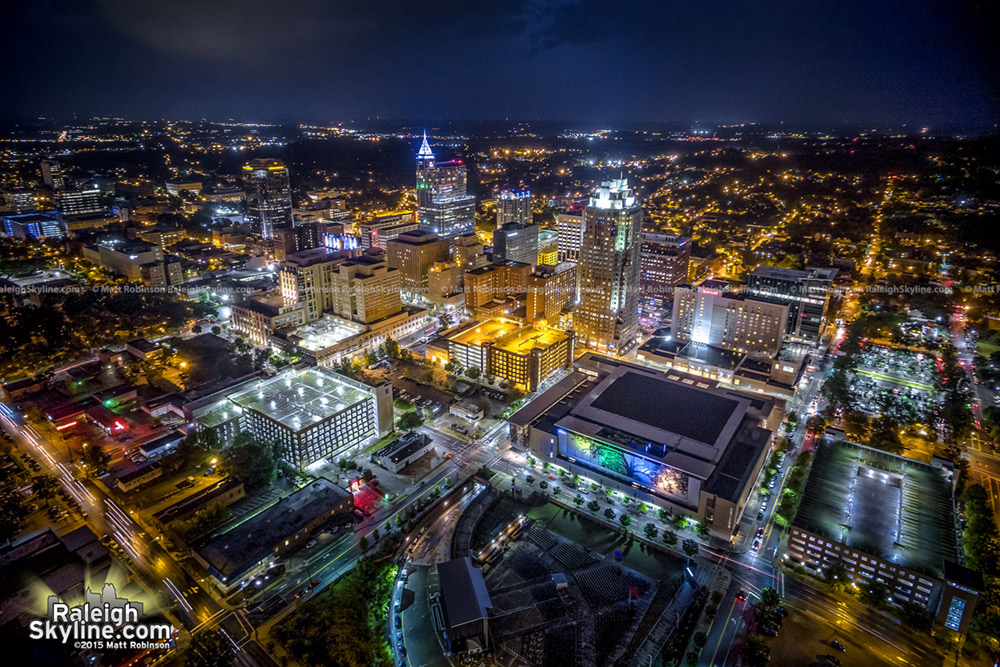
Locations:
(415, 125)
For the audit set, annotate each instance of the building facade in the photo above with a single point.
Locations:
(707, 314)
(444, 205)
(607, 317)
(806, 293)
(514, 206)
(413, 254)
(664, 260)
(268, 195)
(516, 242)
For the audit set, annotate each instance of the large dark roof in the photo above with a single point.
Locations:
(670, 406)
(464, 592)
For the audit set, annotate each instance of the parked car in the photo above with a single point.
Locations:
(837, 645)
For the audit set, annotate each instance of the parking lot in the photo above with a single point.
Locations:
(898, 383)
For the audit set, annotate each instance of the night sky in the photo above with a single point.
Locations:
(922, 62)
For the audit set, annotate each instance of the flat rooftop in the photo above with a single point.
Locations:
(524, 340)
(299, 398)
(326, 332)
(881, 504)
(238, 550)
(667, 405)
(483, 332)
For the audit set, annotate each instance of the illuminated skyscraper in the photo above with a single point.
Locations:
(52, 174)
(607, 318)
(444, 205)
(269, 196)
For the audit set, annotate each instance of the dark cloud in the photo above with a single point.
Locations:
(803, 61)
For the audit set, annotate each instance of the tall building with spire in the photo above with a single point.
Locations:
(444, 205)
(607, 317)
(269, 196)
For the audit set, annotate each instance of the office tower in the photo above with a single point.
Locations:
(550, 290)
(306, 277)
(709, 315)
(467, 252)
(370, 230)
(413, 253)
(288, 241)
(444, 205)
(366, 289)
(516, 242)
(499, 286)
(19, 200)
(607, 318)
(269, 196)
(79, 202)
(514, 206)
(569, 225)
(805, 292)
(664, 260)
(52, 174)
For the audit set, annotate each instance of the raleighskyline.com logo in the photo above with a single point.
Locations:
(103, 621)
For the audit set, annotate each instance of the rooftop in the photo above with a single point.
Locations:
(236, 551)
(693, 413)
(524, 340)
(326, 332)
(299, 398)
(477, 333)
(463, 591)
(884, 505)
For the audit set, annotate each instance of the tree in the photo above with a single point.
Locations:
(700, 639)
(543, 485)
(651, 531)
(885, 435)
(625, 520)
(208, 649)
(363, 544)
(578, 500)
(390, 348)
(216, 329)
(754, 651)
(44, 487)
(835, 573)
(609, 514)
(769, 598)
(669, 538)
(251, 461)
(874, 595)
(593, 506)
(12, 516)
(914, 616)
(530, 479)
(690, 547)
(409, 421)
(196, 329)
(473, 372)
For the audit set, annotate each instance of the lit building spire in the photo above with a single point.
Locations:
(425, 152)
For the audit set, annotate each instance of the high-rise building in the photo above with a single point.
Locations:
(79, 202)
(269, 196)
(296, 239)
(514, 206)
(709, 315)
(467, 252)
(516, 242)
(306, 277)
(607, 318)
(550, 290)
(413, 253)
(805, 292)
(444, 205)
(664, 260)
(366, 289)
(500, 283)
(52, 174)
(569, 225)
(370, 230)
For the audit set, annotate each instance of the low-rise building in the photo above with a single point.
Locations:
(139, 477)
(403, 451)
(236, 555)
(889, 519)
(221, 494)
(466, 604)
(672, 440)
